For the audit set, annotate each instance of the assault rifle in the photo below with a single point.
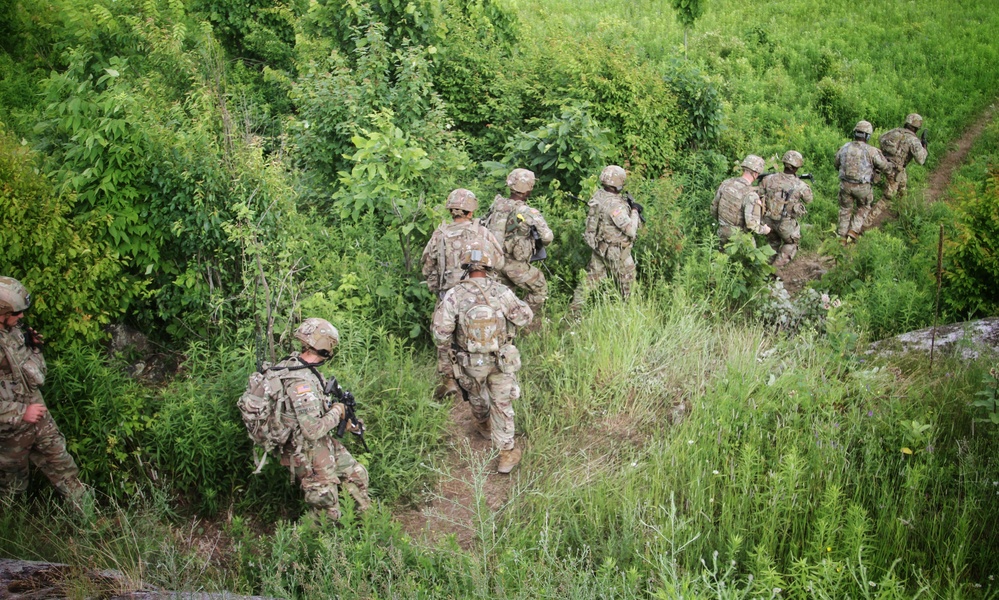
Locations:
(627, 197)
(922, 139)
(350, 415)
(807, 176)
(32, 339)
(539, 248)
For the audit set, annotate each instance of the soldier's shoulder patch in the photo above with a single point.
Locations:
(616, 211)
(534, 211)
(303, 388)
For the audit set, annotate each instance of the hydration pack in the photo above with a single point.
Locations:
(484, 327)
(266, 413)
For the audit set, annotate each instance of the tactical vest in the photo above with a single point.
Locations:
(855, 165)
(894, 145)
(496, 220)
(455, 239)
(730, 204)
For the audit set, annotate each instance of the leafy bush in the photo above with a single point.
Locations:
(973, 258)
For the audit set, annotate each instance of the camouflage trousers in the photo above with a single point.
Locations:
(43, 445)
(618, 262)
(896, 182)
(527, 277)
(861, 195)
(491, 394)
(784, 237)
(323, 465)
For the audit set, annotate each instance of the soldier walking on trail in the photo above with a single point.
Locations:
(785, 197)
(441, 264)
(899, 146)
(737, 206)
(316, 458)
(522, 231)
(611, 228)
(857, 163)
(477, 319)
(28, 434)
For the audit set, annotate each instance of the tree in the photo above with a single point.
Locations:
(687, 11)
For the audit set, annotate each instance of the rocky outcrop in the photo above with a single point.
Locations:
(967, 340)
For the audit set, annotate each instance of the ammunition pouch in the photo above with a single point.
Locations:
(508, 360)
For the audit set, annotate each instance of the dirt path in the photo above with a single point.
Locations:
(810, 266)
(467, 475)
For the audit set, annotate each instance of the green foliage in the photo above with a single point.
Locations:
(751, 265)
(988, 400)
(260, 32)
(688, 11)
(563, 153)
(973, 260)
(699, 99)
(78, 281)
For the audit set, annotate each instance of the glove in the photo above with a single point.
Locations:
(341, 407)
(33, 338)
(355, 428)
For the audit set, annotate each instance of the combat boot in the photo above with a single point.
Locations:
(448, 387)
(484, 429)
(508, 459)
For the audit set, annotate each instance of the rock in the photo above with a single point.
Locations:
(967, 340)
(124, 337)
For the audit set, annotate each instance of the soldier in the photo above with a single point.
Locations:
(522, 231)
(737, 206)
(857, 163)
(478, 318)
(27, 431)
(441, 265)
(899, 146)
(318, 460)
(611, 228)
(785, 197)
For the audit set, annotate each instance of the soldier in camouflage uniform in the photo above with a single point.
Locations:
(899, 146)
(737, 206)
(441, 264)
(611, 228)
(478, 318)
(857, 163)
(318, 460)
(515, 225)
(28, 434)
(785, 197)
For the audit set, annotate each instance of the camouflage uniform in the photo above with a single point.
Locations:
(899, 146)
(22, 373)
(490, 379)
(611, 229)
(737, 207)
(857, 163)
(510, 221)
(785, 197)
(319, 461)
(442, 268)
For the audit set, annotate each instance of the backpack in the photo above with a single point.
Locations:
(891, 143)
(856, 165)
(268, 419)
(454, 241)
(484, 327)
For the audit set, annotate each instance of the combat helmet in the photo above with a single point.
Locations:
(914, 120)
(14, 297)
(462, 199)
(754, 163)
(520, 180)
(476, 258)
(864, 127)
(793, 158)
(319, 335)
(613, 176)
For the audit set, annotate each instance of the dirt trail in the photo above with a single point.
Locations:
(469, 463)
(809, 266)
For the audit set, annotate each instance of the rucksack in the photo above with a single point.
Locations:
(269, 420)
(890, 143)
(856, 165)
(484, 326)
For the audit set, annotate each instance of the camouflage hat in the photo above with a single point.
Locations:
(864, 127)
(14, 297)
(318, 334)
(793, 158)
(520, 180)
(613, 176)
(476, 257)
(915, 120)
(462, 199)
(754, 163)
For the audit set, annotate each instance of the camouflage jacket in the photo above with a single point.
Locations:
(900, 145)
(785, 196)
(857, 162)
(441, 257)
(447, 322)
(516, 239)
(737, 205)
(303, 391)
(610, 221)
(22, 373)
